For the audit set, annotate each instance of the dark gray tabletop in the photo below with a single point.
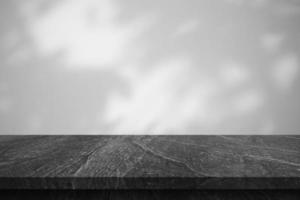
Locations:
(153, 162)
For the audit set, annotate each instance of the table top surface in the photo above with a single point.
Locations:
(165, 156)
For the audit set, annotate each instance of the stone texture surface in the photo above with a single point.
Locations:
(150, 162)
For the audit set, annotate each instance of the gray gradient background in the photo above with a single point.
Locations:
(149, 67)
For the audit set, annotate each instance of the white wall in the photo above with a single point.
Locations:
(149, 67)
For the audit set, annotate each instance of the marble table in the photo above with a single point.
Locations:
(150, 162)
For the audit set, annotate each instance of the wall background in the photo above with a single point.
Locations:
(149, 67)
